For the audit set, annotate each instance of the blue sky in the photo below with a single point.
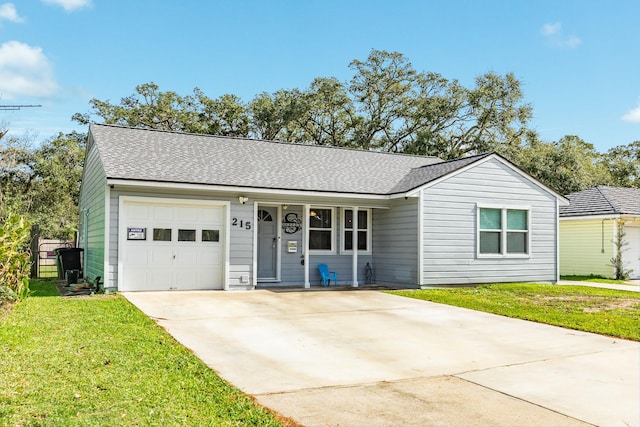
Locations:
(578, 61)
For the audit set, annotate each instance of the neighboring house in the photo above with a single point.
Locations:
(588, 228)
(164, 210)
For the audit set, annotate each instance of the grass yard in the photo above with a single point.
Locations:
(594, 279)
(98, 361)
(602, 311)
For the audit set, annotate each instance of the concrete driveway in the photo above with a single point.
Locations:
(356, 358)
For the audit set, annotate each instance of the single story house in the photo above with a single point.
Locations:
(165, 210)
(588, 230)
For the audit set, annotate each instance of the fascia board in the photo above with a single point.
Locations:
(233, 189)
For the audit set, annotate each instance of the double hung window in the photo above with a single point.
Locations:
(362, 227)
(503, 231)
(321, 230)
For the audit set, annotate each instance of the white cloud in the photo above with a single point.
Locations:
(25, 71)
(555, 36)
(69, 5)
(633, 115)
(8, 12)
(551, 29)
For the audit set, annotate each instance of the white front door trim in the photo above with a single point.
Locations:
(278, 248)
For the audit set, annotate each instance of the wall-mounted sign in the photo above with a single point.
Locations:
(134, 233)
(291, 224)
(292, 246)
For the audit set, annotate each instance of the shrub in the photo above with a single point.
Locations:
(15, 260)
(617, 261)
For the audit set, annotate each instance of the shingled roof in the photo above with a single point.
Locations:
(160, 156)
(603, 200)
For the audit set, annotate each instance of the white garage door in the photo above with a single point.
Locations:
(168, 244)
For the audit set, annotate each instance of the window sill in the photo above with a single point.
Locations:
(503, 256)
(321, 252)
(348, 252)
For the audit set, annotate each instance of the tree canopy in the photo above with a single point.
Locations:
(43, 182)
(387, 105)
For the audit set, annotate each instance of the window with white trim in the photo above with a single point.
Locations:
(363, 227)
(321, 230)
(503, 231)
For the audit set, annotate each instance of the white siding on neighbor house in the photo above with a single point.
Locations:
(450, 227)
(586, 247)
(395, 244)
(631, 251)
(92, 199)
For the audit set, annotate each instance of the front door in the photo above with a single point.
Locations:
(267, 243)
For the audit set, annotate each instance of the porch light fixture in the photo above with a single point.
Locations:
(243, 200)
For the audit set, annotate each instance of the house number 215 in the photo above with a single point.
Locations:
(235, 222)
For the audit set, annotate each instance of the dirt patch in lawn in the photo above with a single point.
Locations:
(594, 304)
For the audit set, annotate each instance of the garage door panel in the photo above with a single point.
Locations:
(163, 213)
(185, 262)
(187, 251)
(161, 255)
(137, 211)
(210, 256)
(187, 214)
(160, 279)
(135, 276)
(188, 279)
(137, 255)
(214, 216)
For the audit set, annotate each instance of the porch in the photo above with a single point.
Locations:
(292, 239)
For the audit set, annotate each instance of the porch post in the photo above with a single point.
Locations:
(305, 245)
(354, 242)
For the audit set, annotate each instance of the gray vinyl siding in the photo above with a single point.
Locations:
(241, 245)
(92, 199)
(449, 230)
(292, 269)
(395, 244)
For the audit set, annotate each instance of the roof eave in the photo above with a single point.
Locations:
(241, 189)
(583, 216)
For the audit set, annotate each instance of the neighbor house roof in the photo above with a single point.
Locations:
(603, 200)
(160, 156)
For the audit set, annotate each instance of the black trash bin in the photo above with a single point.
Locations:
(69, 259)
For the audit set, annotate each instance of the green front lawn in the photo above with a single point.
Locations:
(594, 279)
(99, 361)
(602, 311)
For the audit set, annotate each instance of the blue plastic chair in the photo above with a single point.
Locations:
(327, 276)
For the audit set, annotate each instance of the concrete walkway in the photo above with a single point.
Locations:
(634, 285)
(368, 358)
